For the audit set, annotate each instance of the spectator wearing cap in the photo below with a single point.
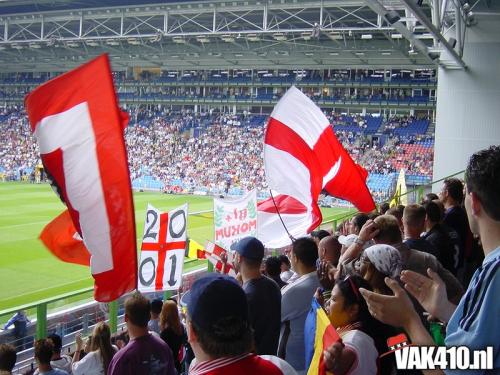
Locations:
(154, 321)
(296, 301)
(263, 295)
(473, 323)
(145, 353)
(220, 333)
(7, 359)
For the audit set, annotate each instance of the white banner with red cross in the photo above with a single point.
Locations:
(163, 249)
(235, 219)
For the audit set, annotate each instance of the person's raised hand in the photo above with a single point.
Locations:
(368, 231)
(430, 292)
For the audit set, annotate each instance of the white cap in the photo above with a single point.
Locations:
(347, 240)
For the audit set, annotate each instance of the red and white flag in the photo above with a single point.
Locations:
(163, 249)
(221, 259)
(79, 129)
(302, 157)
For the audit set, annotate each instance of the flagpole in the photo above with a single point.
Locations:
(281, 219)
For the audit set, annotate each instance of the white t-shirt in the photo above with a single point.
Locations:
(91, 364)
(366, 353)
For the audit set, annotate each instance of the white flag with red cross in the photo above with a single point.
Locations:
(221, 259)
(163, 248)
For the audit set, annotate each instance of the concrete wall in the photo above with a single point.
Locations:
(468, 101)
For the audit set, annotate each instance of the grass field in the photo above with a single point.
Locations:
(28, 272)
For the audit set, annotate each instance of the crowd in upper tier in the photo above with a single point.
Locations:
(217, 151)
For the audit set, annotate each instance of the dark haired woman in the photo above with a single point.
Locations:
(362, 336)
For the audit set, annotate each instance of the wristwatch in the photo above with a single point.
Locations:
(359, 242)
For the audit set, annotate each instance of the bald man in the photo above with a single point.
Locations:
(329, 250)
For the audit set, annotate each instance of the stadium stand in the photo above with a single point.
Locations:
(202, 150)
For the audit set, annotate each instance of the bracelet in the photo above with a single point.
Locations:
(359, 242)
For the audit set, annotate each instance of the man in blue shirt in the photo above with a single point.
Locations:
(20, 321)
(475, 322)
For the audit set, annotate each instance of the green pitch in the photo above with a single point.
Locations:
(28, 272)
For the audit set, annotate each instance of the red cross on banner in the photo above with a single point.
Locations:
(163, 248)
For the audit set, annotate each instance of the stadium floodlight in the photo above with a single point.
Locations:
(203, 39)
(72, 44)
(334, 53)
(397, 36)
(179, 40)
(335, 36)
(359, 53)
(92, 43)
(309, 54)
(253, 37)
(366, 36)
(16, 46)
(113, 43)
(3, 48)
(280, 37)
(386, 53)
(134, 41)
(306, 35)
(238, 55)
(228, 38)
(35, 45)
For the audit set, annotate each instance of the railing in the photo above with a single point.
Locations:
(417, 192)
(67, 321)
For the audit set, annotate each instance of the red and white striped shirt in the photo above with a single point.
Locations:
(245, 364)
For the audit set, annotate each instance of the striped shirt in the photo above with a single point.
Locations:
(245, 364)
(476, 320)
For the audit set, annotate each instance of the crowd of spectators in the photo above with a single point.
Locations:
(376, 276)
(209, 151)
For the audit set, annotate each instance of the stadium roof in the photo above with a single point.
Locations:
(55, 35)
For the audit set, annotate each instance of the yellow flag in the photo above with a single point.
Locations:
(195, 251)
(400, 196)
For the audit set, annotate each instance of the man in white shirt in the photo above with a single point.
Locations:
(296, 302)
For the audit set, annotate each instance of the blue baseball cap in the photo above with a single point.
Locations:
(249, 247)
(214, 297)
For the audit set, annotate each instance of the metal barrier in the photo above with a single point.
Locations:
(68, 315)
(73, 313)
(417, 193)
